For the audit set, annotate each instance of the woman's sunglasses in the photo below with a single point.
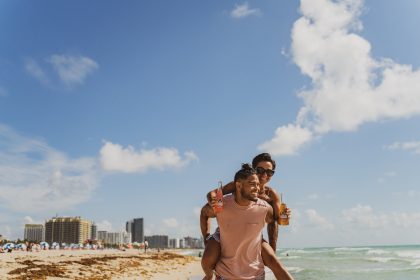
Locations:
(261, 171)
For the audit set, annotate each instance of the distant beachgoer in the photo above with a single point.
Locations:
(146, 245)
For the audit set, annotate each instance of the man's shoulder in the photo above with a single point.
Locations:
(228, 197)
(262, 203)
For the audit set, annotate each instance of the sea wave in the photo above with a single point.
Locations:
(291, 257)
(408, 254)
(380, 259)
(377, 252)
(293, 251)
(352, 249)
(295, 269)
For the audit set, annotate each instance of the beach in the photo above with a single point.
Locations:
(98, 264)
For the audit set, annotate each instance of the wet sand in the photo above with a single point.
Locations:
(96, 265)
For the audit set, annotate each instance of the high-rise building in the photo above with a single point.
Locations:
(157, 241)
(93, 232)
(102, 235)
(192, 242)
(136, 228)
(118, 238)
(34, 232)
(67, 230)
(129, 226)
(174, 243)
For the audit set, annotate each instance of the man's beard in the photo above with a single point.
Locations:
(248, 196)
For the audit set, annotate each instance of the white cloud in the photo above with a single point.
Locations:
(197, 212)
(241, 11)
(104, 225)
(390, 174)
(36, 71)
(36, 177)
(114, 157)
(317, 220)
(363, 216)
(73, 70)
(6, 231)
(349, 86)
(413, 193)
(30, 220)
(287, 140)
(413, 146)
(171, 222)
(386, 176)
(313, 196)
(3, 92)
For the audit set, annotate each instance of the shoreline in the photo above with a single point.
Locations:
(99, 264)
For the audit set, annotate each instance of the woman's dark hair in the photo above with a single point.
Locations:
(245, 172)
(263, 157)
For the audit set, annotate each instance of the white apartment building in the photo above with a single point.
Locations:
(34, 232)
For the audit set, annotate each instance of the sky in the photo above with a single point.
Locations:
(113, 111)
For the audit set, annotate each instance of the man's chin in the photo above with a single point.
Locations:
(254, 199)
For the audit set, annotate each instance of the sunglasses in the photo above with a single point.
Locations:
(261, 171)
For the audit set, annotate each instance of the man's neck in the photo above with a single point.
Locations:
(241, 201)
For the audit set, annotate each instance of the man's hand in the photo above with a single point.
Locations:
(211, 198)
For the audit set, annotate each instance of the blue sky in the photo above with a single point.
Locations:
(114, 111)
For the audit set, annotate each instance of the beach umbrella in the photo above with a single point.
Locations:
(55, 245)
(8, 246)
(21, 246)
(44, 245)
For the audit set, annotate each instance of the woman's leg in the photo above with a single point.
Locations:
(210, 258)
(271, 261)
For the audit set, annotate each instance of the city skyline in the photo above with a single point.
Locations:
(110, 110)
(67, 235)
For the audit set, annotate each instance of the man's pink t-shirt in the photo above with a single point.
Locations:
(240, 239)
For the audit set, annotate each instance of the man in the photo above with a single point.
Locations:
(146, 245)
(241, 223)
(265, 167)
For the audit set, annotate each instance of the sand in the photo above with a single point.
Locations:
(96, 265)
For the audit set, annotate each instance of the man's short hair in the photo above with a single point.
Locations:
(263, 157)
(245, 172)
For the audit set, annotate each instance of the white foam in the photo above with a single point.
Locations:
(377, 252)
(408, 254)
(299, 251)
(351, 249)
(290, 257)
(294, 269)
(379, 259)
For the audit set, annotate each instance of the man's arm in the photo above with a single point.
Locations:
(269, 217)
(226, 189)
(205, 215)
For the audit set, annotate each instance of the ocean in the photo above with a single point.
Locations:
(352, 263)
